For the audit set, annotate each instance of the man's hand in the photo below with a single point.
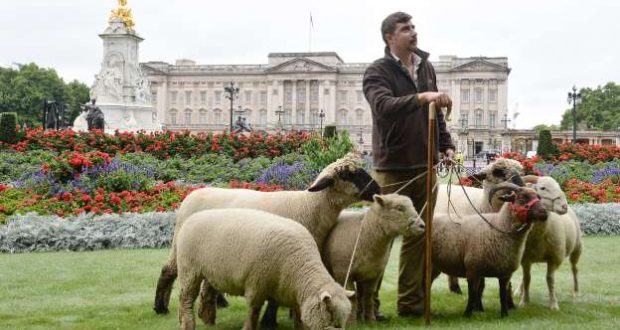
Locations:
(442, 100)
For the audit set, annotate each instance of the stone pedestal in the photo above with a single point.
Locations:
(120, 88)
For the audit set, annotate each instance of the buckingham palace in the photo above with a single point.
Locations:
(306, 91)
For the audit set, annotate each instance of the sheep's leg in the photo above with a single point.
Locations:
(221, 301)
(525, 284)
(511, 302)
(472, 287)
(190, 286)
(252, 321)
(297, 324)
(478, 306)
(165, 282)
(453, 282)
(207, 303)
(367, 292)
(553, 301)
(503, 295)
(270, 317)
(574, 258)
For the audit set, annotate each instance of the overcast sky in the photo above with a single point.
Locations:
(550, 45)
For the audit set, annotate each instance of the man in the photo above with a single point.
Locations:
(399, 88)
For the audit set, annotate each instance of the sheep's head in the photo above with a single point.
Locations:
(397, 215)
(328, 309)
(523, 202)
(551, 195)
(501, 170)
(347, 177)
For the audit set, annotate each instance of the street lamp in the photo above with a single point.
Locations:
(279, 112)
(321, 117)
(361, 139)
(505, 121)
(575, 98)
(231, 91)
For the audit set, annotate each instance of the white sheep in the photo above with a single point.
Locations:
(257, 255)
(338, 185)
(471, 248)
(389, 216)
(552, 241)
(463, 201)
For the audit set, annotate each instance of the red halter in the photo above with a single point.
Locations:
(521, 211)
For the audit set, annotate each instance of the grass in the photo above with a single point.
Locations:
(114, 290)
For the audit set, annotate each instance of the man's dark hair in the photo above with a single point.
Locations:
(389, 23)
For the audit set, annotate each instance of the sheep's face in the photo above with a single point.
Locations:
(328, 310)
(348, 180)
(502, 170)
(397, 215)
(551, 195)
(525, 205)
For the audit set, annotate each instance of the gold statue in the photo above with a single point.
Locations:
(123, 13)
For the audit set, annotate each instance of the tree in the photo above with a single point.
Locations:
(599, 108)
(542, 127)
(23, 90)
(546, 148)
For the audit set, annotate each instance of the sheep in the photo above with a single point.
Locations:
(502, 170)
(551, 242)
(470, 200)
(473, 249)
(389, 216)
(257, 255)
(338, 185)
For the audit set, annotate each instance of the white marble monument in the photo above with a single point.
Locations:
(120, 88)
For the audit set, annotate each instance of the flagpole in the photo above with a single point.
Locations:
(310, 35)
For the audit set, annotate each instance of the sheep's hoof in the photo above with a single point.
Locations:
(268, 322)
(456, 289)
(554, 307)
(160, 309)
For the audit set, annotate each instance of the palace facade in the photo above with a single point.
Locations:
(310, 90)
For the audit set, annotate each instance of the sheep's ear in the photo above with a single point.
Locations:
(323, 183)
(508, 197)
(379, 200)
(325, 297)
(349, 293)
(530, 179)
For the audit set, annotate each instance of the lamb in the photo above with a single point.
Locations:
(473, 249)
(338, 185)
(389, 216)
(258, 255)
(551, 242)
(470, 200)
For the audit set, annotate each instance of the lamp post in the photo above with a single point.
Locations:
(361, 139)
(279, 112)
(505, 121)
(321, 117)
(575, 98)
(231, 91)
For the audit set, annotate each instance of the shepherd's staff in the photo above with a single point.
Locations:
(429, 209)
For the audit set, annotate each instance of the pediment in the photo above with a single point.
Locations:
(480, 65)
(300, 65)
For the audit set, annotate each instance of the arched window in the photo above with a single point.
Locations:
(173, 116)
(202, 116)
(301, 116)
(314, 117)
(248, 116)
(217, 116)
(262, 120)
(342, 117)
(188, 116)
(359, 117)
(287, 118)
(478, 117)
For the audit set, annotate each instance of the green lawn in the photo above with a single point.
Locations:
(114, 290)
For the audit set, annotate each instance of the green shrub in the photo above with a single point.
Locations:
(329, 131)
(546, 148)
(8, 127)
